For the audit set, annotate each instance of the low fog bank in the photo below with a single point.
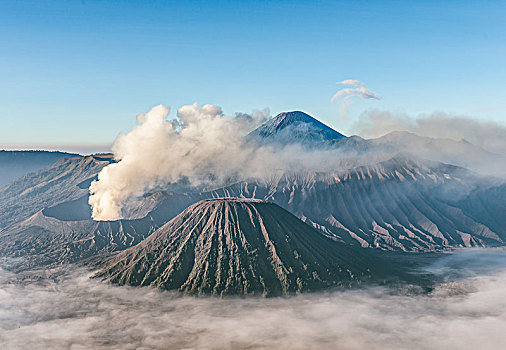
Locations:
(489, 135)
(78, 313)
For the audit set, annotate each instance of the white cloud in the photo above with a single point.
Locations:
(78, 313)
(198, 144)
(201, 145)
(358, 90)
(486, 134)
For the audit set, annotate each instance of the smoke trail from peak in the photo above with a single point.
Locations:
(359, 90)
(200, 142)
(201, 146)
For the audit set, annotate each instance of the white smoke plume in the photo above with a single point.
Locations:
(199, 143)
(358, 90)
(201, 146)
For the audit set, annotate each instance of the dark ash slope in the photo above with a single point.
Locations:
(238, 246)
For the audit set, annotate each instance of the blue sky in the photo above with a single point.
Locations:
(77, 72)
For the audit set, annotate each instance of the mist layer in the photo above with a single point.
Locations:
(466, 312)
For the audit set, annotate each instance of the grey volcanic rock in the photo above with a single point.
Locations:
(398, 204)
(14, 164)
(240, 246)
(65, 233)
(67, 179)
(45, 217)
(44, 241)
(290, 127)
(402, 203)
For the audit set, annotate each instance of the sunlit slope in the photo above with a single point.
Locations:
(67, 179)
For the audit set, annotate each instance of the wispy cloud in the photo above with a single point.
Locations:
(358, 89)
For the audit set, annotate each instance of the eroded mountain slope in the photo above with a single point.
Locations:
(67, 179)
(241, 246)
(400, 204)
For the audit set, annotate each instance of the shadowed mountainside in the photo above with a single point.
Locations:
(401, 204)
(241, 246)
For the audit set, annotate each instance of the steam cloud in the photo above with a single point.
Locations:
(201, 146)
(359, 90)
(77, 313)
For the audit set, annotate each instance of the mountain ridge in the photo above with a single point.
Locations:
(15, 164)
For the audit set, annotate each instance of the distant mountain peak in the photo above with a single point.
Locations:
(294, 127)
(286, 118)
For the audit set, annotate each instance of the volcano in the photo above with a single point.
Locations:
(242, 247)
(294, 127)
